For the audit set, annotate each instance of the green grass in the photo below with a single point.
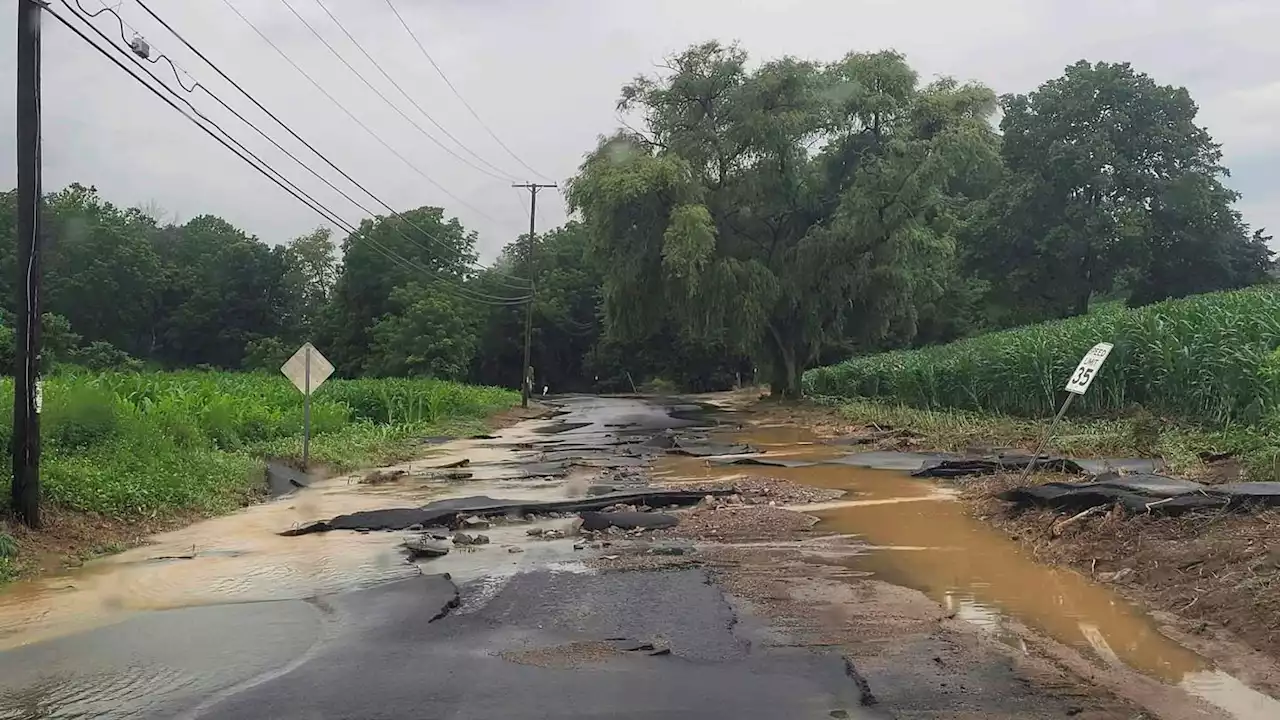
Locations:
(1209, 360)
(133, 444)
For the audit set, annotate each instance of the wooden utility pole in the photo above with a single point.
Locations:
(26, 375)
(533, 189)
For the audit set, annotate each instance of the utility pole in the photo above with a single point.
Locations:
(26, 376)
(533, 189)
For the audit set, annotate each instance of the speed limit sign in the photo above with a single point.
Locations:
(1087, 370)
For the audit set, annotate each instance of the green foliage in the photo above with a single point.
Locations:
(132, 443)
(717, 219)
(101, 355)
(430, 332)
(1208, 359)
(1110, 182)
(267, 354)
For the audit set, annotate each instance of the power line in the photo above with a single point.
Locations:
(348, 113)
(502, 175)
(262, 167)
(458, 94)
(295, 135)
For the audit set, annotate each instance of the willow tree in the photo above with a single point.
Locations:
(783, 209)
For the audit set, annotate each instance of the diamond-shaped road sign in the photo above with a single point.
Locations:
(295, 368)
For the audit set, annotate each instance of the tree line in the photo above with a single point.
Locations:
(767, 216)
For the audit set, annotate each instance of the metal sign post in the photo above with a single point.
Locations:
(1079, 383)
(307, 370)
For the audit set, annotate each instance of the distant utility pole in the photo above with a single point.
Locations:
(26, 376)
(533, 189)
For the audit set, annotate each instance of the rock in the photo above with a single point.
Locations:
(535, 532)
(463, 539)
(553, 534)
(476, 522)
(422, 547)
(378, 477)
(514, 550)
(1115, 577)
(416, 527)
(580, 546)
(670, 550)
(479, 539)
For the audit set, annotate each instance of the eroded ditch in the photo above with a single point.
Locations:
(919, 537)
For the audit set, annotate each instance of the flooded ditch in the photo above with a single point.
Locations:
(919, 537)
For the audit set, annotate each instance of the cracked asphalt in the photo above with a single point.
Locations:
(541, 634)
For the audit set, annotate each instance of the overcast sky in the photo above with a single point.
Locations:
(545, 75)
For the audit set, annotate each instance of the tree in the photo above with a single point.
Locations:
(780, 210)
(311, 270)
(386, 253)
(1109, 178)
(222, 289)
(565, 313)
(430, 333)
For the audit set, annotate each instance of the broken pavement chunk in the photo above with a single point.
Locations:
(627, 520)
(424, 547)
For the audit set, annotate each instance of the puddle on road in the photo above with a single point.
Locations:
(924, 540)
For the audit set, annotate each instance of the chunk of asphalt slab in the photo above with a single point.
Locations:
(627, 520)
(447, 512)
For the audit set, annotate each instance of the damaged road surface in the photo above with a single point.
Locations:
(557, 579)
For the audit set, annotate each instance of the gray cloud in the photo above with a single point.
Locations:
(545, 76)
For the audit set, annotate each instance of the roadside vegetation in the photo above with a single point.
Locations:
(1189, 377)
(142, 443)
(149, 447)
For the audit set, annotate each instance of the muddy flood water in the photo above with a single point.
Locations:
(919, 537)
(909, 532)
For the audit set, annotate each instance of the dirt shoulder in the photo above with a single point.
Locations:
(1212, 580)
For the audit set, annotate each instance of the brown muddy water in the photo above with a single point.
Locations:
(241, 558)
(918, 536)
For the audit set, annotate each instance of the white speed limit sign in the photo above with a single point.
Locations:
(1088, 368)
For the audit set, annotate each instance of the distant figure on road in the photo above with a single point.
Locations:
(544, 390)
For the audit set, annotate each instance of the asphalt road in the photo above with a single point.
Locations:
(551, 640)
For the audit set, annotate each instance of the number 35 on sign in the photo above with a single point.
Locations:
(1088, 368)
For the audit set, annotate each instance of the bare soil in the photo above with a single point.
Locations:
(69, 537)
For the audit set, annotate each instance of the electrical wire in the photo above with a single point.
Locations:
(384, 98)
(291, 131)
(502, 175)
(350, 114)
(264, 168)
(458, 94)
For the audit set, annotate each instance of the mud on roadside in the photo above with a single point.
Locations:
(1213, 577)
(1210, 579)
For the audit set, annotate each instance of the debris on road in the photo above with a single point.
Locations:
(447, 511)
(624, 520)
(381, 477)
(746, 522)
(465, 539)
(425, 547)
(754, 489)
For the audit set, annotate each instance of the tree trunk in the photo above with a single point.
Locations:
(1082, 302)
(784, 376)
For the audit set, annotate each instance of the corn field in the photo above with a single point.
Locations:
(1210, 359)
